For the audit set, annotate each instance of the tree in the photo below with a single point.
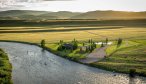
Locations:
(43, 43)
(119, 42)
(94, 45)
(102, 45)
(75, 44)
(106, 41)
(83, 44)
(91, 48)
(60, 48)
(81, 50)
(87, 49)
(91, 41)
(61, 41)
(74, 40)
(132, 72)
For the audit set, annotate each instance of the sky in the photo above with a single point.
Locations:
(73, 5)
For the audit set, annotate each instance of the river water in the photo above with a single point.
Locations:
(32, 65)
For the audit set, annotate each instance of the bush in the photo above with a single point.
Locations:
(43, 43)
(142, 73)
(132, 72)
(102, 45)
(119, 42)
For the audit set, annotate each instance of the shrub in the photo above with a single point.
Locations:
(132, 72)
(43, 43)
(102, 45)
(142, 73)
(119, 42)
(106, 41)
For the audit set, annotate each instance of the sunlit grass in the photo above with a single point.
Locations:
(74, 55)
(131, 55)
(125, 33)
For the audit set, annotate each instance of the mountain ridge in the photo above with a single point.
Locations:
(46, 15)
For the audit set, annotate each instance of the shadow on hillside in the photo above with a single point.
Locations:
(60, 30)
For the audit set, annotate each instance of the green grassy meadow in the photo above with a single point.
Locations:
(74, 55)
(130, 55)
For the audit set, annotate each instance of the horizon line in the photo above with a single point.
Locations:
(71, 11)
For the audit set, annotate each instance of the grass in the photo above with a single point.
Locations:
(5, 69)
(68, 30)
(131, 56)
(125, 44)
(73, 55)
(83, 35)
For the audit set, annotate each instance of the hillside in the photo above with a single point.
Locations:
(44, 15)
(35, 15)
(62, 14)
(20, 12)
(111, 15)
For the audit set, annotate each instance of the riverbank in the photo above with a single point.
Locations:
(111, 63)
(5, 68)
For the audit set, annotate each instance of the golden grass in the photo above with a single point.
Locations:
(96, 34)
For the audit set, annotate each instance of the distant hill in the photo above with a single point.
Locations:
(63, 14)
(20, 12)
(111, 15)
(35, 15)
(44, 15)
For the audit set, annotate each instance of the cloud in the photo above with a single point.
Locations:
(58, 0)
(73, 5)
(7, 3)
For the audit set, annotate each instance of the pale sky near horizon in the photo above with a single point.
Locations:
(73, 5)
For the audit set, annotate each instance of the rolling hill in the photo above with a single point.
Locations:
(111, 15)
(35, 15)
(44, 15)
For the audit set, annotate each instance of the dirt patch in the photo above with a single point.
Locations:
(95, 56)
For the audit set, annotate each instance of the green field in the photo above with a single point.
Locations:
(74, 55)
(130, 55)
(53, 31)
(5, 68)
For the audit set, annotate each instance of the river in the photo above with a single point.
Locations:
(32, 65)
